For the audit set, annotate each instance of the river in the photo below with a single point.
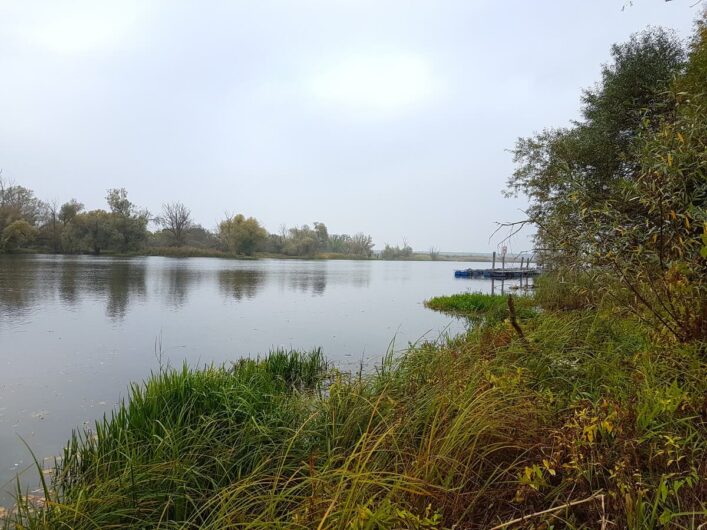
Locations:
(76, 330)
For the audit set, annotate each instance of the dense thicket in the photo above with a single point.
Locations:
(621, 194)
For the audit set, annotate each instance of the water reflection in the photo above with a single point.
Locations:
(180, 280)
(27, 283)
(125, 281)
(69, 283)
(18, 288)
(313, 281)
(240, 283)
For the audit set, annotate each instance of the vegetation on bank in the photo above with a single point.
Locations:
(586, 412)
(479, 305)
(622, 193)
(29, 224)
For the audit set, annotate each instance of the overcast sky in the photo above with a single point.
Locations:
(390, 117)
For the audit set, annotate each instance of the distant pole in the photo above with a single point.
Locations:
(527, 273)
(521, 266)
(493, 261)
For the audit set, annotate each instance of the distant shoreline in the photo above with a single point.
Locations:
(190, 252)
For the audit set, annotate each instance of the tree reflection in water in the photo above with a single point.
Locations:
(240, 283)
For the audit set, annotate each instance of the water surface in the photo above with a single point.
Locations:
(76, 330)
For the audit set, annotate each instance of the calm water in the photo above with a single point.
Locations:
(74, 331)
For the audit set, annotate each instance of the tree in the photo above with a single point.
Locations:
(568, 174)
(175, 219)
(199, 236)
(361, 245)
(396, 252)
(623, 193)
(241, 235)
(18, 202)
(129, 223)
(302, 241)
(52, 227)
(322, 234)
(92, 231)
(69, 210)
(17, 234)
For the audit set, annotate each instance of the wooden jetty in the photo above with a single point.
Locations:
(500, 274)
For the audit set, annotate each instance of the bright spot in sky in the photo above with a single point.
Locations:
(386, 83)
(95, 27)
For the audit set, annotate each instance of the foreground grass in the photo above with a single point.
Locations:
(584, 413)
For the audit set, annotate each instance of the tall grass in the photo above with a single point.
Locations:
(595, 421)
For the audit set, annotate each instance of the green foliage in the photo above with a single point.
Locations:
(20, 212)
(623, 193)
(242, 236)
(129, 223)
(69, 210)
(569, 173)
(307, 242)
(396, 252)
(69, 229)
(17, 202)
(479, 305)
(360, 245)
(302, 241)
(567, 289)
(93, 231)
(17, 234)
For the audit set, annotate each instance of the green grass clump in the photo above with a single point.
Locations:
(478, 305)
(505, 421)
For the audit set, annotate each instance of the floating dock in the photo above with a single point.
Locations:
(500, 274)
(496, 274)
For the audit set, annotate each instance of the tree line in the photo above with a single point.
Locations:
(27, 222)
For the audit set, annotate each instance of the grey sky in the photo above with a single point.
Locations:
(383, 116)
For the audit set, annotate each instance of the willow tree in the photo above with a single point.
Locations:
(622, 192)
(242, 235)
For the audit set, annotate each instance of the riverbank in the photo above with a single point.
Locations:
(583, 412)
(197, 252)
